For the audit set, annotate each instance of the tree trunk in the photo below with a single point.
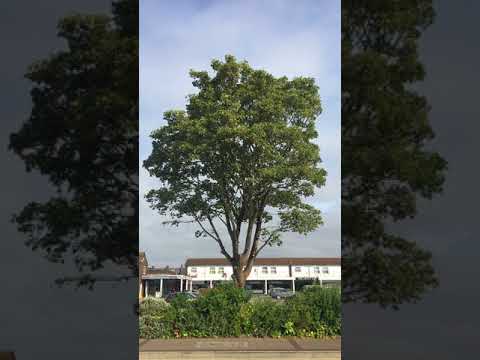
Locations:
(241, 281)
(240, 275)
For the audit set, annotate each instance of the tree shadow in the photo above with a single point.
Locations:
(386, 165)
(82, 134)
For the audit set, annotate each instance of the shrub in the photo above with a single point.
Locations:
(259, 298)
(188, 320)
(157, 326)
(220, 308)
(229, 311)
(316, 310)
(266, 318)
(245, 318)
(203, 291)
(152, 306)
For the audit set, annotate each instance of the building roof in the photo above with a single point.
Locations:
(166, 270)
(266, 261)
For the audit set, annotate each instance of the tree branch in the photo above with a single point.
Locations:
(248, 239)
(261, 247)
(216, 238)
(213, 226)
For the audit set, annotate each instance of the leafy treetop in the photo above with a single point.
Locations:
(241, 153)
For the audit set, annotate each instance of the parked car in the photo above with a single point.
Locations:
(189, 295)
(280, 293)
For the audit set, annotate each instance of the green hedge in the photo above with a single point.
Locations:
(228, 312)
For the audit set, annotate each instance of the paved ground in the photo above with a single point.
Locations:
(240, 348)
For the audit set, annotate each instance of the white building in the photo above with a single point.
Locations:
(267, 272)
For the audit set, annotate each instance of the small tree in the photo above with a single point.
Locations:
(241, 158)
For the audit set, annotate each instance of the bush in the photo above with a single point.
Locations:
(262, 317)
(220, 308)
(203, 291)
(188, 320)
(152, 306)
(259, 298)
(316, 310)
(229, 311)
(158, 326)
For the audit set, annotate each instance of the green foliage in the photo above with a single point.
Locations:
(265, 317)
(386, 161)
(157, 326)
(220, 309)
(242, 152)
(156, 319)
(289, 328)
(228, 311)
(189, 321)
(203, 291)
(315, 309)
(153, 306)
(245, 131)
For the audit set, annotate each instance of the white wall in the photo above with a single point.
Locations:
(334, 272)
(306, 271)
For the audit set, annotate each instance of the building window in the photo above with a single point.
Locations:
(317, 269)
(325, 270)
(264, 270)
(221, 270)
(273, 269)
(298, 269)
(193, 270)
(212, 270)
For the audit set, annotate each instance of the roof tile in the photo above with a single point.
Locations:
(266, 261)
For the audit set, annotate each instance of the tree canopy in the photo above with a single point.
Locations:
(386, 163)
(240, 157)
(83, 135)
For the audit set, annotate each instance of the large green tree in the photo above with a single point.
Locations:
(241, 158)
(83, 135)
(386, 163)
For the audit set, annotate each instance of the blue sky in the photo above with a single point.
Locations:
(300, 38)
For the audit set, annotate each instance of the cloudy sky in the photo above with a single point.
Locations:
(303, 40)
